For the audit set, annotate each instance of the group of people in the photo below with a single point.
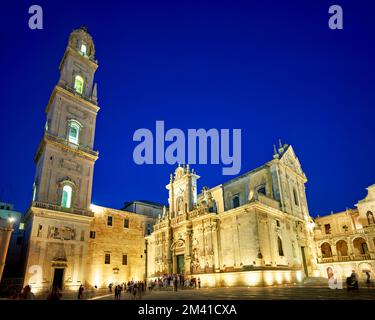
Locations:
(352, 282)
(175, 280)
(136, 289)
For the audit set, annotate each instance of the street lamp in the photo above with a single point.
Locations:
(11, 220)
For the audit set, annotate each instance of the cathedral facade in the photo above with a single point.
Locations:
(252, 230)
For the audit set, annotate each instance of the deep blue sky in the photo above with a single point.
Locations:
(272, 68)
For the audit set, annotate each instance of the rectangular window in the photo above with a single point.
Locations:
(327, 228)
(21, 226)
(107, 258)
(235, 201)
(277, 223)
(92, 234)
(82, 235)
(126, 223)
(109, 221)
(148, 229)
(124, 259)
(40, 231)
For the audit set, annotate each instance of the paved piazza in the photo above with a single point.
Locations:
(239, 293)
(255, 293)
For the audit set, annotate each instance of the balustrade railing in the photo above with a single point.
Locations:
(356, 257)
(55, 207)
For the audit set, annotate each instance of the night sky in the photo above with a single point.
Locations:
(271, 68)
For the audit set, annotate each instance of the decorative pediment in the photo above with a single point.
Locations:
(290, 160)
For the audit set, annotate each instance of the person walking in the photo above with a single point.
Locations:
(117, 292)
(175, 283)
(80, 292)
(368, 282)
(199, 283)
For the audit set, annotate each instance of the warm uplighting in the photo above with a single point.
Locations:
(252, 279)
(299, 276)
(279, 277)
(268, 279)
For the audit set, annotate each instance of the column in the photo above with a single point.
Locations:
(216, 265)
(187, 252)
(174, 258)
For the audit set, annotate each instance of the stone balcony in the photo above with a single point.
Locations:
(358, 257)
(82, 96)
(63, 141)
(340, 234)
(55, 207)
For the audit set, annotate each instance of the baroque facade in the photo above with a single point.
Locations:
(252, 230)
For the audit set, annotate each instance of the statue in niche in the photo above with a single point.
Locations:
(164, 212)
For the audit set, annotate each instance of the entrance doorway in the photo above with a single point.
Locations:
(58, 277)
(180, 264)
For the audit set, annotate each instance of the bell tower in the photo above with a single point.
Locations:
(65, 157)
(182, 190)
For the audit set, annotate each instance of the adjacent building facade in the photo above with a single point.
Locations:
(345, 241)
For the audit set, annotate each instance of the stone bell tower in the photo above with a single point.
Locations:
(58, 221)
(65, 157)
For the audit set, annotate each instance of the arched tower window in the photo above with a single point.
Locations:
(66, 198)
(73, 131)
(78, 84)
(370, 217)
(295, 196)
(83, 49)
(280, 246)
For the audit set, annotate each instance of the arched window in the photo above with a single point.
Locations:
(370, 218)
(280, 246)
(326, 250)
(83, 49)
(295, 197)
(236, 201)
(78, 84)
(73, 131)
(66, 198)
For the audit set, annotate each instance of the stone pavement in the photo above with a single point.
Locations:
(254, 293)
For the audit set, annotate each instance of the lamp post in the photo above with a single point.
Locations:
(6, 229)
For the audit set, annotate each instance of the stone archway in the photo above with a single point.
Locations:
(360, 247)
(342, 250)
(326, 250)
